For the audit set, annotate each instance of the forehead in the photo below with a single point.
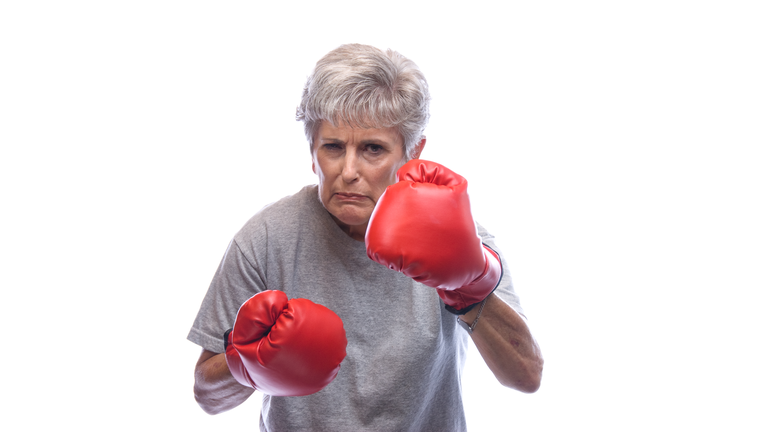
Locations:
(345, 133)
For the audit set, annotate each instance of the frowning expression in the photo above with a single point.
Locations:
(354, 166)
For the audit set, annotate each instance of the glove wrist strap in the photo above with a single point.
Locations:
(226, 338)
(462, 300)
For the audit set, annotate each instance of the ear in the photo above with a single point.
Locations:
(419, 147)
(313, 166)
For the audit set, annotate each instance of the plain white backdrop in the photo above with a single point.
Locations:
(616, 149)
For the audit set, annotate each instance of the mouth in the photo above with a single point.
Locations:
(349, 196)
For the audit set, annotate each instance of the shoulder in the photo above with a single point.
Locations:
(277, 224)
(284, 214)
(482, 232)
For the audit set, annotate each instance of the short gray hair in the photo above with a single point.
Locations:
(363, 86)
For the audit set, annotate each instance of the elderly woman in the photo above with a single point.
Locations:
(349, 305)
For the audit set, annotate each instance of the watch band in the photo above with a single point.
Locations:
(470, 328)
(464, 325)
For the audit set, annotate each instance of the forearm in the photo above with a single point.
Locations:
(216, 390)
(504, 341)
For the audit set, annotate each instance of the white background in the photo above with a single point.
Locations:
(616, 149)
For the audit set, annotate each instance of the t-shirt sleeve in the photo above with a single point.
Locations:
(505, 290)
(236, 280)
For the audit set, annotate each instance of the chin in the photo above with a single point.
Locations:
(352, 218)
(356, 221)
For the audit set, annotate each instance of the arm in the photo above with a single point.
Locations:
(507, 346)
(215, 388)
(423, 227)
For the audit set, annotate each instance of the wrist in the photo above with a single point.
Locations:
(462, 300)
(471, 313)
(469, 320)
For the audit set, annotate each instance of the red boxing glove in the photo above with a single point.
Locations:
(422, 226)
(285, 347)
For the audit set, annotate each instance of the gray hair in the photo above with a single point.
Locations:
(363, 86)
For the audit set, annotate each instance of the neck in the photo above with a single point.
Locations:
(357, 232)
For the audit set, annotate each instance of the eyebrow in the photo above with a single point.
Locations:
(365, 141)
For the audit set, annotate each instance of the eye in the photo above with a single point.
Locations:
(374, 148)
(332, 146)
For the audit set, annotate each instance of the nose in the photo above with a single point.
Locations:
(350, 170)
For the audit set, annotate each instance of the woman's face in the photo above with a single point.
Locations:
(354, 166)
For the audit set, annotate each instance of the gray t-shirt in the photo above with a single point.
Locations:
(405, 352)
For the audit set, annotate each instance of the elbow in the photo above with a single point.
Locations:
(526, 379)
(523, 384)
(208, 409)
(208, 405)
(217, 400)
(530, 385)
